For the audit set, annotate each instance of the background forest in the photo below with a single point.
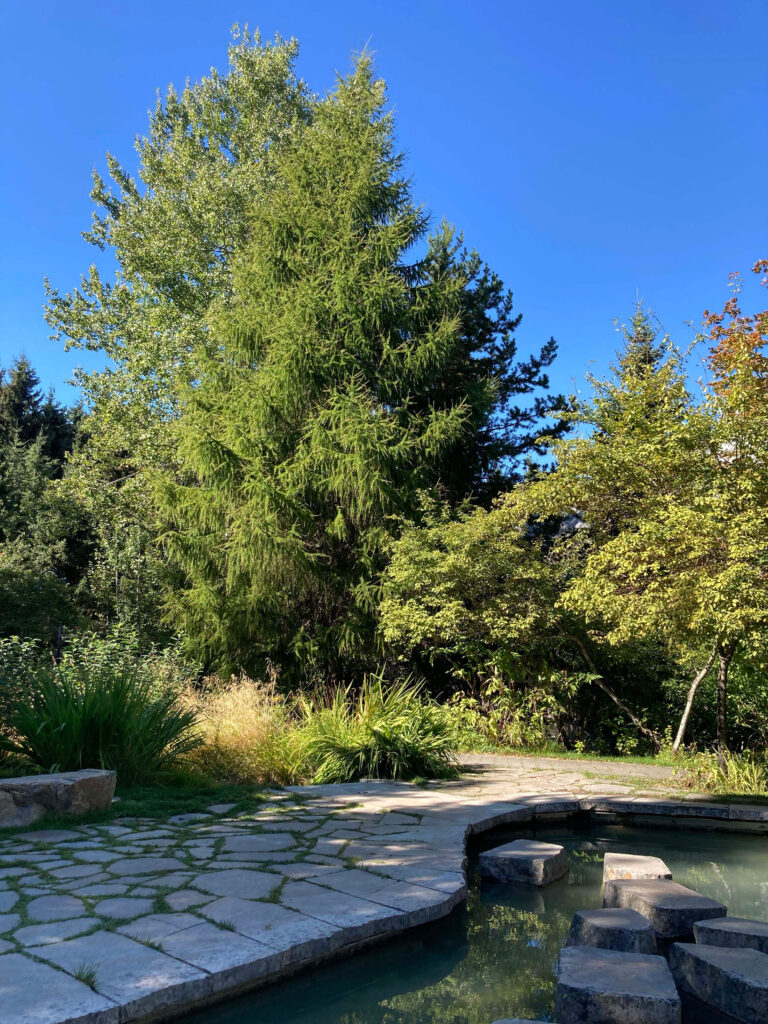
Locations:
(320, 518)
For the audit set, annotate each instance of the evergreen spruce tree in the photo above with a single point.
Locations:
(319, 419)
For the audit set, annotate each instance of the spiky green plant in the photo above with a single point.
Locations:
(388, 731)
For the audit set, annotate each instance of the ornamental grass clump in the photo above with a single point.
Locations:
(385, 732)
(72, 716)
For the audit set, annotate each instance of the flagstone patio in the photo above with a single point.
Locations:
(140, 919)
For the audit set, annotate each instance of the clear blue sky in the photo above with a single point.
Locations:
(590, 151)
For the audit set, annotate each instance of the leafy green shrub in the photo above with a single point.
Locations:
(73, 716)
(386, 732)
(734, 774)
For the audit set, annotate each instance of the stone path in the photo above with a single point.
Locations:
(110, 923)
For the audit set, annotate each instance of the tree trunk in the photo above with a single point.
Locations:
(724, 655)
(652, 736)
(700, 675)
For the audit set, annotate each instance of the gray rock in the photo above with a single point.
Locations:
(627, 865)
(525, 860)
(140, 980)
(25, 800)
(671, 908)
(733, 981)
(736, 932)
(55, 908)
(604, 986)
(241, 882)
(613, 928)
(35, 993)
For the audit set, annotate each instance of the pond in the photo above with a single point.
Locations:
(497, 955)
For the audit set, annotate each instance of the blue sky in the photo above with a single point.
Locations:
(591, 151)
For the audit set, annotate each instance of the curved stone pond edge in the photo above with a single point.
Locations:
(409, 872)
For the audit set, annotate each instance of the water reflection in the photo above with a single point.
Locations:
(497, 956)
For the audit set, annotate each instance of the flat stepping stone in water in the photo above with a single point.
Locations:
(525, 860)
(604, 986)
(629, 865)
(671, 908)
(35, 992)
(616, 928)
(736, 932)
(55, 908)
(733, 981)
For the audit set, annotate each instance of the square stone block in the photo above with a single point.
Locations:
(604, 986)
(525, 860)
(629, 865)
(616, 928)
(736, 932)
(672, 909)
(733, 981)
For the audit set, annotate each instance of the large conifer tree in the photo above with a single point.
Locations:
(321, 414)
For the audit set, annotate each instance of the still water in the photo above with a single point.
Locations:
(497, 955)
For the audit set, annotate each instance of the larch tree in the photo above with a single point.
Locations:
(319, 417)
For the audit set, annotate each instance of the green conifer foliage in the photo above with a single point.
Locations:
(315, 424)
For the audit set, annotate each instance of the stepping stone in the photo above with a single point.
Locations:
(185, 898)
(249, 885)
(7, 901)
(221, 808)
(733, 981)
(604, 986)
(627, 865)
(8, 921)
(525, 860)
(268, 842)
(55, 931)
(613, 928)
(50, 835)
(156, 927)
(671, 908)
(142, 981)
(736, 932)
(55, 908)
(36, 993)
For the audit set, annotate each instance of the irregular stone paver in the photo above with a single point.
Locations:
(54, 931)
(35, 993)
(123, 906)
(139, 979)
(602, 985)
(8, 901)
(54, 908)
(733, 981)
(347, 864)
(252, 885)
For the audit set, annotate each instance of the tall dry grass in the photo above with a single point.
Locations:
(246, 732)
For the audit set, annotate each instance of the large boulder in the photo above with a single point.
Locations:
(27, 799)
(613, 928)
(630, 865)
(604, 986)
(733, 981)
(525, 860)
(672, 909)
